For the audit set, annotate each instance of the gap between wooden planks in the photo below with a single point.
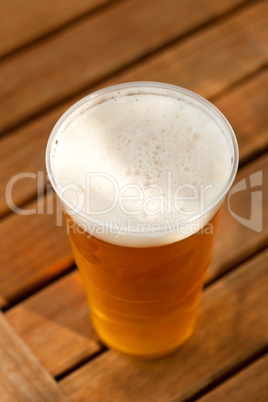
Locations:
(232, 326)
(29, 20)
(248, 385)
(22, 377)
(65, 319)
(123, 35)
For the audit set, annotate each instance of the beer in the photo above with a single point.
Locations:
(142, 170)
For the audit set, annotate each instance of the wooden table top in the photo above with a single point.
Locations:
(53, 53)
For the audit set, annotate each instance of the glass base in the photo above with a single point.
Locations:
(152, 355)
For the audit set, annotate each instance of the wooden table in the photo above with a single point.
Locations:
(53, 53)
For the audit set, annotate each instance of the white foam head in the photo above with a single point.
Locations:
(142, 164)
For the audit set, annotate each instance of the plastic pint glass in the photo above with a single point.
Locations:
(142, 170)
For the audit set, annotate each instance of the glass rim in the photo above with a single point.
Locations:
(228, 130)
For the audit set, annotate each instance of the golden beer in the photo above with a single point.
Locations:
(144, 301)
(164, 158)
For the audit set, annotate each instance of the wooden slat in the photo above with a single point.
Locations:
(214, 58)
(96, 47)
(26, 20)
(36, 320)
(32, 250)
(24, 151)
(223, 339)
(246, 108)
(237, 242)
(22, 377)
(21, 151)
(249, 385)
(58, 313)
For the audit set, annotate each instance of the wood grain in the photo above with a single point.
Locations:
(26, 20)
(246, 108)
(32, 250)
(248, 385)
(236, 242)
(99, 46)
(58, 313)
(36, 320)
(214, 58)
(224, 337)
(24, 149)
(22, 377)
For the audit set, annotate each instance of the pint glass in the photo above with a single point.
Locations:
(141, 170)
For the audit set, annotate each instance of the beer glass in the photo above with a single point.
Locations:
(142, 170)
